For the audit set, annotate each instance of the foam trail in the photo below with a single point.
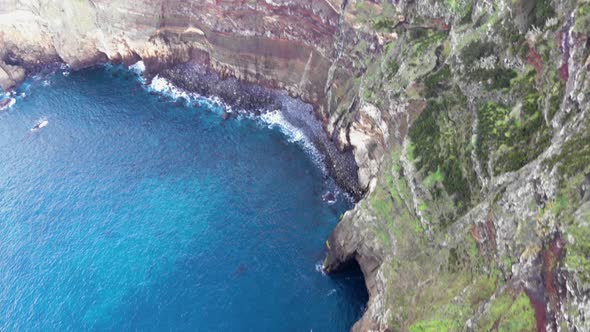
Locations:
(138, 67)
(319, 267)
(275, 119)
(162, 85)
(11, 101)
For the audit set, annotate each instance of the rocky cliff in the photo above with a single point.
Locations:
(468, 121)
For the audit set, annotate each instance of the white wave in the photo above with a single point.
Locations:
(163, 86)
(331, 292)
(275, 119)
(138, 67)
(319, 267)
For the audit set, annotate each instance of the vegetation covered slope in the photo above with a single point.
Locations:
(468, 120)
(479, 218)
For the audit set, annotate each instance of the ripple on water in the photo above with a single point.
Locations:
(128, 212)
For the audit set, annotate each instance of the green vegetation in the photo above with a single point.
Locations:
(509, 314)
(560, 204)
(556, 97)
(436, 325)
(424, 39)
(388, 201)
(442, 150)
(386, 20)
(444, 310)
(574, 157)
(494, 79)
(514, 136)
(383, 23)
(466, 18)
(434, 178)
(476, 50)
(582, 24)
(578, 253)
(392, 68)
(515, 106)
(541, 11)
(573, 165)
(437, 82)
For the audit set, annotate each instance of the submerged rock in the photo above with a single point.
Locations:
(329, 197)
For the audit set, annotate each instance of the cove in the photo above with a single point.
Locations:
(131, 212)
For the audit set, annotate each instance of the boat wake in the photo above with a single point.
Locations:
(41, 124)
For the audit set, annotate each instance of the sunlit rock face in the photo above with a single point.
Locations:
(285, 44)
(295, 46)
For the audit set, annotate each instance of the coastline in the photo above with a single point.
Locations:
(465, 126)
(258, 100)
(353, 145)
(185, 177)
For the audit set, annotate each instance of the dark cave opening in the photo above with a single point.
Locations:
(352, 280)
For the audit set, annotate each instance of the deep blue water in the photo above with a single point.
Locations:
(130, 212)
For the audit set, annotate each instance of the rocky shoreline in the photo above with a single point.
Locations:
(197, 77)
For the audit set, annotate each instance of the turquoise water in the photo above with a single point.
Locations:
(130, 212)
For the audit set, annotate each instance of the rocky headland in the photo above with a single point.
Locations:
(466, 121)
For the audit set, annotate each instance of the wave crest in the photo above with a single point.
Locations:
(276, 119)
(272, 120)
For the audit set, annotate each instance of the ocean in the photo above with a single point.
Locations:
(126, 208)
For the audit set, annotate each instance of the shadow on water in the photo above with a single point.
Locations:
(167, 299)
(351, 277)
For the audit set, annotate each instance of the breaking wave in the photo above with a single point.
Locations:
(270, 119)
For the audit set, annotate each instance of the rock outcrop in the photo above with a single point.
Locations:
(478, 216)
(468, 121)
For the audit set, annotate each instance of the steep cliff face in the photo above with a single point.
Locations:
(290, 45)
(479, 217)
(285, 44)
(468, 121)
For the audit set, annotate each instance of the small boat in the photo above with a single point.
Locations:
(6, 103)
(40, 125)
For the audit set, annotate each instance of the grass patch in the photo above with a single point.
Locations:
(494, 79)
(514, 136)
(442, 152)
(507, 313)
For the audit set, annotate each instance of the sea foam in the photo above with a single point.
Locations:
(269, 119)
(276, 119)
